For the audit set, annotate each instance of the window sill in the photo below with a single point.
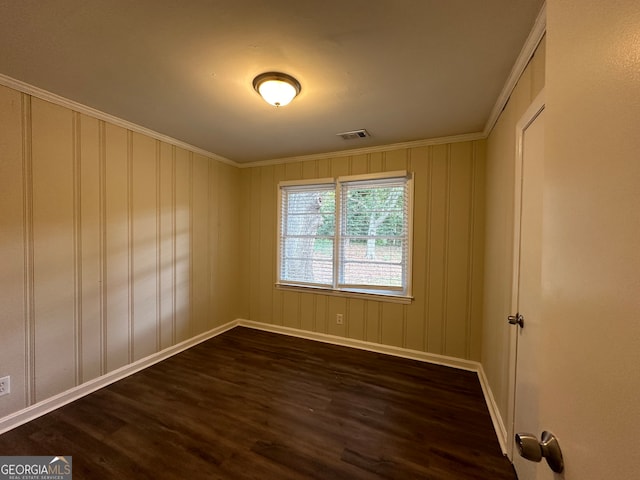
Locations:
(361, 294)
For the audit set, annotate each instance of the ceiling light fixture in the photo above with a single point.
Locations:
(277, 89)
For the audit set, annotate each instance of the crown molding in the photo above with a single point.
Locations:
(529, 48)
(526, 53)
(467, 137)
(92, 112)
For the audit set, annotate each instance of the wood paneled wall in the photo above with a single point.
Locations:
(113, 246)
(446, 314)
(501, 148)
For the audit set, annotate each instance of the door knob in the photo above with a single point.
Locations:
(528, 446)
(548, 447)
(516, 319)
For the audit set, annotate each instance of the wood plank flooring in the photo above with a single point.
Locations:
(255, 405)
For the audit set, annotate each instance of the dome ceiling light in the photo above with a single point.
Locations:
(277, 89)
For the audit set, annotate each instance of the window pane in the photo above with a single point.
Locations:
(306, 243)
(374, 210)
(372, 262)
(373, 235)
(307, 211)
(308, 260)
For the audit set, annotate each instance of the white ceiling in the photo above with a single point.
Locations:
(403, 69)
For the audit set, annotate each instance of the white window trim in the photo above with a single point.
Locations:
(391, 294)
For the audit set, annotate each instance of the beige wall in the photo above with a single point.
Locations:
(446, 315)
(498, 270)
(591, 237)
(113, 246)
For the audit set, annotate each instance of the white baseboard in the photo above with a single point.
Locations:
(45, 406)
(498, 424)
(41, 408)
(454, 362)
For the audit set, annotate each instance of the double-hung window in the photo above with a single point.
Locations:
(349, 234)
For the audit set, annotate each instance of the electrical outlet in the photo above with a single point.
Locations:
(5, 386)
(339, 319)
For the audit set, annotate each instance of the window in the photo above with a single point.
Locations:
(351, 234)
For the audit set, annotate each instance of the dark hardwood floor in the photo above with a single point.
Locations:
(255, 405)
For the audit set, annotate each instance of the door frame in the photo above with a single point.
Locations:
(532, 112)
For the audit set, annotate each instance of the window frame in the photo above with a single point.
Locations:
(398, 294)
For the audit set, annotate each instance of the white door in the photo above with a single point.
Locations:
(527, 285)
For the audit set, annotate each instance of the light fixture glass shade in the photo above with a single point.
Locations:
(277, 89)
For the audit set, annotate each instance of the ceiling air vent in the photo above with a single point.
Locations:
(354, 134)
